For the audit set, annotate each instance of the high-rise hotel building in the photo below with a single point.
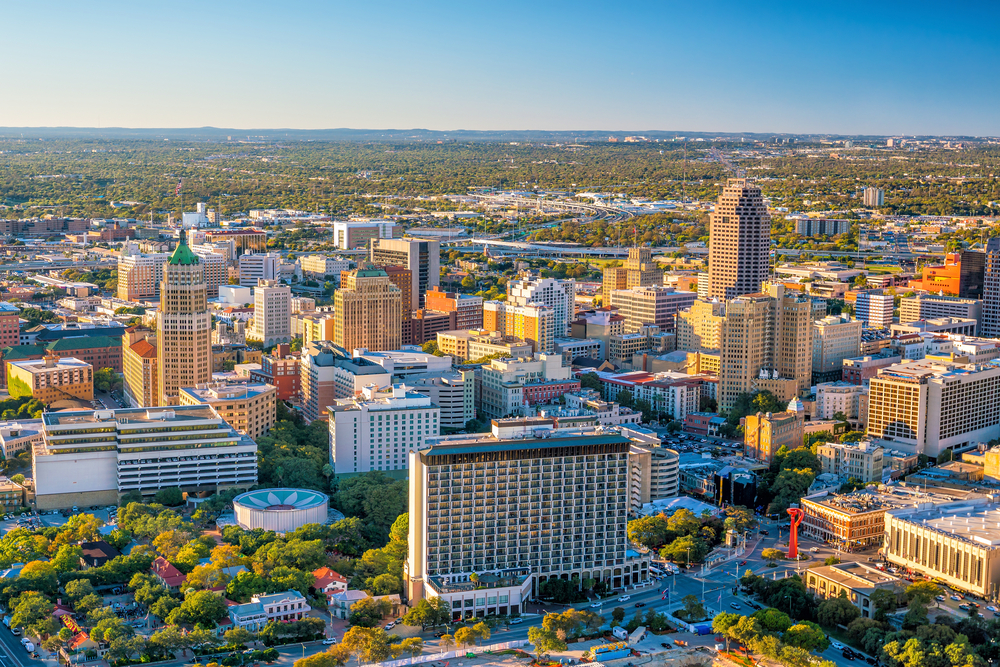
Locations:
(740, 241)
(515, 513)
(367, 311)
(183, 325)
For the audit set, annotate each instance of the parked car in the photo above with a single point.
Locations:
(625, 598)
(390, 625)
(329, 640)
(955, 598)
(814, 549)
(837, 645)
(940, 598)
(734, 605)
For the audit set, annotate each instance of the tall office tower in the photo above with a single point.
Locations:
(989, 325)
(533, 323)
(367, 311)
(874, 310)
(272, 312)
(139, 275)
(874, 197)
(258, 266)
(576, 528)
(423, 258)
(740, 246)
(559, 295)
(700, 326)
(972, 270)
(639, 271)
(403, 279)
(835, 338)
(650, 305)
(183, 326)
(766, 344)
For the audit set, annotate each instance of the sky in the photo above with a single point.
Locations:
(885, 68)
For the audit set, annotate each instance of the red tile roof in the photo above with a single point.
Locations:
(170, 575)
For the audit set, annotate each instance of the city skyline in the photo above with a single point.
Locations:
(635, 68)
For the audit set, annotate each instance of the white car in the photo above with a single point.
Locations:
(329, 640)
(391, 625)
(837, 645)
(625, 598)
(814, 549)
(515, 621)
(596, 605)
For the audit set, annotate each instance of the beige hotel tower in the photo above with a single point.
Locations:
(739, 243)
(183, 325)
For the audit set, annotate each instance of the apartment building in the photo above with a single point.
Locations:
(558, 295)
(368, 311)
(822, 226)
(765, 433)
(859, 370)
(250, 408)
(639, 270)
(508, 385)
(931, 306)
(19, 436)
(740, 232)
(464, 492)
(850, 400)
(860, 460)
(183, 326)
(280, 370)
(469, 308)
(321, 266)
(51, 379)
(141, 368)
(607, 413)
(453, 393)
(672, 393)
(254, 267)
(262, 609)
(425, 324)
(957, 543)
(653, 305)
(874, 309)
(873, 197)
(328, 373)
(835, 338)
(421, 258)
(375, 430)
(91, 457)
(272, 312)
(140, 275)
(479, 343)
(989, 324)
(700, 326)
(534, 323)
(928, 406)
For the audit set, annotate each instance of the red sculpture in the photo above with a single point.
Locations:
(793, 533)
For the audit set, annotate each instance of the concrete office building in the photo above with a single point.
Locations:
(576, 348)
(860, 460)
(479, 343)
(367, 311)
(740, 231)
(508, 385)
(92, 457)
(600, 324)
(945, 325)
(928, 406)
(353, 235)
(216, 272)
(577, 531)
(559, 295)
(860, 370)
(765, 433)
(421, 258)
(989, 325)
(856, 581)
(243, 239)
(835, 338)
(639, 270)
(327, 373)
(320, 266)
(374, 431)
(847, 398)
(140, 275)
(183, 326)
(254, 267)
(453, 393)
(930, 306)
(250, 408)
(469, 308)
(656, 305)
(874, 310)
(272, 312)
(403, 279)
(51, 379)
(957, 543)
(700, 326)
(822, 226)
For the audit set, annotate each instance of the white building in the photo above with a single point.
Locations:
(410, 360)
(454, 394)
(574, 348)
(608, 413)
(374, 431)
(844, 397)
(320, 266)
(354, 234)
(875, 310)
(19, 436)
(262, 609)
(235, 295)
(875, 196)
(254, 267)
(272, 312)
(90, 457)
(507, 383)
(559, 295)
(835, 338)
(860, 460)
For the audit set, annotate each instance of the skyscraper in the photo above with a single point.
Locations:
(422, 258)
(639, 271)
(989, 325)
(559, 295)
(183, 325)
(874, 197)
(367, 311)
(740, 244)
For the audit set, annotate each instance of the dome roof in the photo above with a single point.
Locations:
(281, 499)
(183, 254)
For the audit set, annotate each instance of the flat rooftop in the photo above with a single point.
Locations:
(887, 498)
(165, 415)
(226, 392)
(554, 439)
(857, 576)
(976, 520)
(42, 366)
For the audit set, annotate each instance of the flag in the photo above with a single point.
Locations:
(664, 596)
(177, 190)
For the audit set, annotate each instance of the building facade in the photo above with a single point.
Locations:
(928, 306)
(740, 231)
(835, 338)
(453, 393)
(509, 385)
(558, 295)
(469, 308)
(272, 312)
(874, 310)
(249, 408)
(368, 312)
(656, 305)
(421, 258)
(700, 326)
(51, 379)
(534, 323)
(860, 460)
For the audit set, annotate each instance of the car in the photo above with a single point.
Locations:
(837, 645)
(596, 605)
(640, 604)
(735, 605)
(764, 532)
(940, 598)
(625, 598)
(814, 549)
(329, 640)
(664, 644)
(743, 562)
(870, 660)
(974, 604)
(390, 625)
(980, 615)
(955, 598)
(848, 654)
(964, 607)
(16, 632)
(990, 607)
(515, 621)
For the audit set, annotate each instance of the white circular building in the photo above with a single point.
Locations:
(280, 510)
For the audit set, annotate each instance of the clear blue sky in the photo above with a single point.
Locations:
(700, 65)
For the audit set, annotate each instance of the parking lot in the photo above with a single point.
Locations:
(48, 519)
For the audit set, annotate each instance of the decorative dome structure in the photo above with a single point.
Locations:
(280, 510)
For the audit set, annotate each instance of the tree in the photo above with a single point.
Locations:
(368, 644)
(171, 639)
(853, 436)
(921, 592)
(199, 608)
(773, 620)
(649, 531)
(722, 622)
(106, 380)
(447, 642)
(836, 611)
(772, 554)
(31, 608)
(694, 610)
(465, 636)
(171, 497)
(884, 603)
(832, 560)
(916, 616)
(239, 636)
(368, 612)
(545, 641)
(617, 614)
(806, 635)
(590, 381)
(411, 646)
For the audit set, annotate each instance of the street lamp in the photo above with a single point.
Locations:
(789, 598)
